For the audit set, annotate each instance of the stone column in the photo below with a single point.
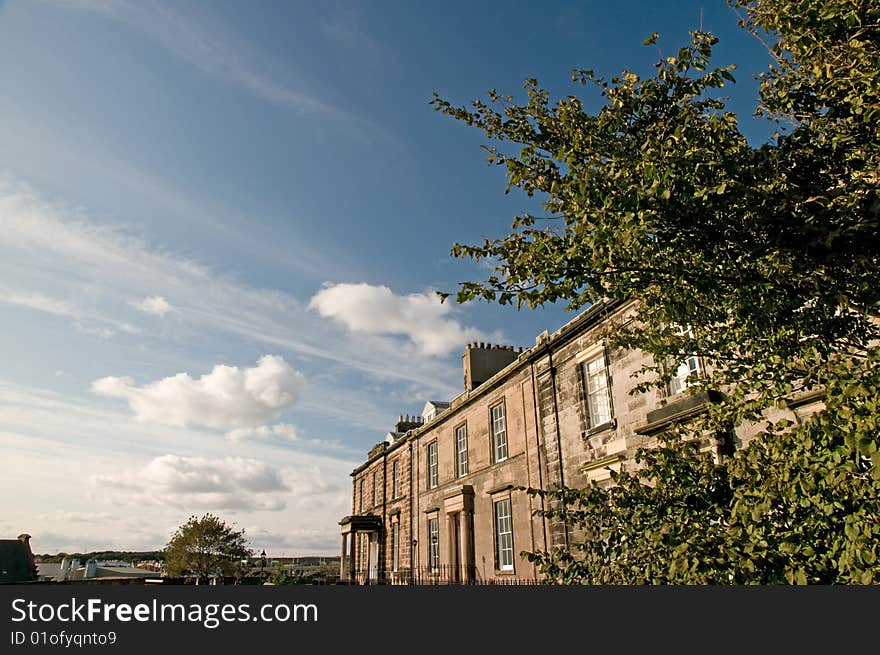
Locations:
(467, 545)
(351, 561)
(342, 569)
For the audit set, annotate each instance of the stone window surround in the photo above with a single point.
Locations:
(459, 473)
(433, 541)
(501, 493)
(432, 469)
(581, 359)
(599, 470)
(395, 479)
(395, 541)
(493, 458)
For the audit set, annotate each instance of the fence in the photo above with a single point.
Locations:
(440, 575)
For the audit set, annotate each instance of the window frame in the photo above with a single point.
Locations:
(362, 493)
(433, 544)
(503, 539)
(461, 454)
(433, 467)
(496, 443)
(395, 546)
(680, 383)
(584, 363)
(395, 481)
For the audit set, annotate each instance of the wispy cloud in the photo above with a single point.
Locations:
(58, 262)
(345, 31)
(285, 433)
(208, 45)
(38, 140)
(88, 322)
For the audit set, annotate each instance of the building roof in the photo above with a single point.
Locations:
(123, 572)
(586, 319)
(52, 571)
(49, 570)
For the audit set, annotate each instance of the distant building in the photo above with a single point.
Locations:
(441, 499)
(71, 570)
(17, 560)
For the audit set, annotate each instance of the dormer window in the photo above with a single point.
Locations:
(433, 409)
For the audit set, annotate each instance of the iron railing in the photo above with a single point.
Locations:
(440, 575)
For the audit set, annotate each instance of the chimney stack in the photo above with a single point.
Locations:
(482, 363)
(407, 423)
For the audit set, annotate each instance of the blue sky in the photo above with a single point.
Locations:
(221, 227)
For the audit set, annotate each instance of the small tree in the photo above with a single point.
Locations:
(280, 576)
(203, 546)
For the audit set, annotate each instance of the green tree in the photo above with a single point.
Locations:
(666, 525)
(806, 501)
(800, 505)
(204, 546)
(768, 253)
(280, 576)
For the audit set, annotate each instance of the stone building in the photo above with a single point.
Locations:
(17, 560)
(441, 500)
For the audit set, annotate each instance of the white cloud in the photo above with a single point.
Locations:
(377, 310)
(307, 484)
(284, 433)
(55, 261)
(39, 302)
(230, 483)
(153, 305)
(54, 443)
(227, 398)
